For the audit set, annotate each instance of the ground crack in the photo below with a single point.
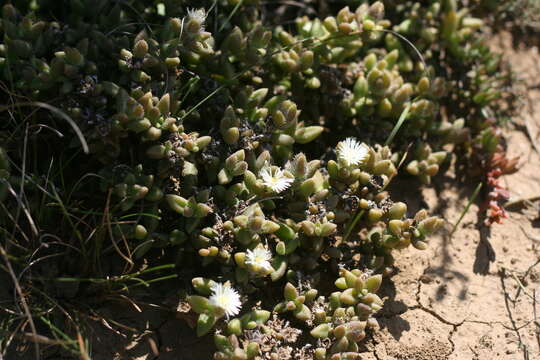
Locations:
(390, 314)
(376, 355)
(433, 313)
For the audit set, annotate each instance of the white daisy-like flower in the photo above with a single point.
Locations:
(226, 298)
(198, 15)
(351, 152)
(275, 179)
(260, 258)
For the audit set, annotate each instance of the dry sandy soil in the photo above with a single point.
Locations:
(473, 295)
(469, 296)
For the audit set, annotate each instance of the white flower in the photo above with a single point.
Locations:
(275, 179)
(226, 298)
(198, 15)
(260, 258)
(351, 152)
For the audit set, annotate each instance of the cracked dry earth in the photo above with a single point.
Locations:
(467, 297)
(473, 295)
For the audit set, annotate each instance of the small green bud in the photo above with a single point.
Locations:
(257, 97)
(429, 225)
(285, 232)
(397, 211)
(384, 108)
(235, 41)
(156, 152)
(375, 215)
(369, 25)
(308, 227)
(341, 283)
(439, 156)
(403, 94)
(199, 304)
(432, 170)
(234, 327)
(205, 323)
(202, 210)
(231, 135)
(322, 331)
(279, 264)
(423, 85)
(334, 300)
(340, 346)
(164, 104)
(302, 313)
(373, 283)
(308, 187)
(240, 259)
(279, 119)
(313, 83)
(412, 168)
(74, 57)
(326, 229)
(290, 293)
(311, 294)
(306, 59)
(261, 316)
(320, 354)
(140, 76)
(420, 245)
(330, 24)
(234, 159)
(253, 349)
(361, 87)
(140, 49)
(140, 232)
(176, 203)
(152, 133)
(347, 297)
(350, 278)
(222, 342)
(395, 227)
(391, 58)
(224, 177)
(269, 227)
(340, 331)
(370, 61)
(172, 62)
(283, 139)
(307, 134)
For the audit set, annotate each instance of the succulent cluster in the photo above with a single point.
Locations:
(252, 154)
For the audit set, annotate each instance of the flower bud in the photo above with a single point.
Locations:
(140, 49)
(199, 304)
(322, 331)
(373, 283)
(307, 134)
(290, 293)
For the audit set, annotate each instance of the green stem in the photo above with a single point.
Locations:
(352, 224)
(474, 195)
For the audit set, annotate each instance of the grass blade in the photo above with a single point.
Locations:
(57, 112)
(471, 200)
(400, 122)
